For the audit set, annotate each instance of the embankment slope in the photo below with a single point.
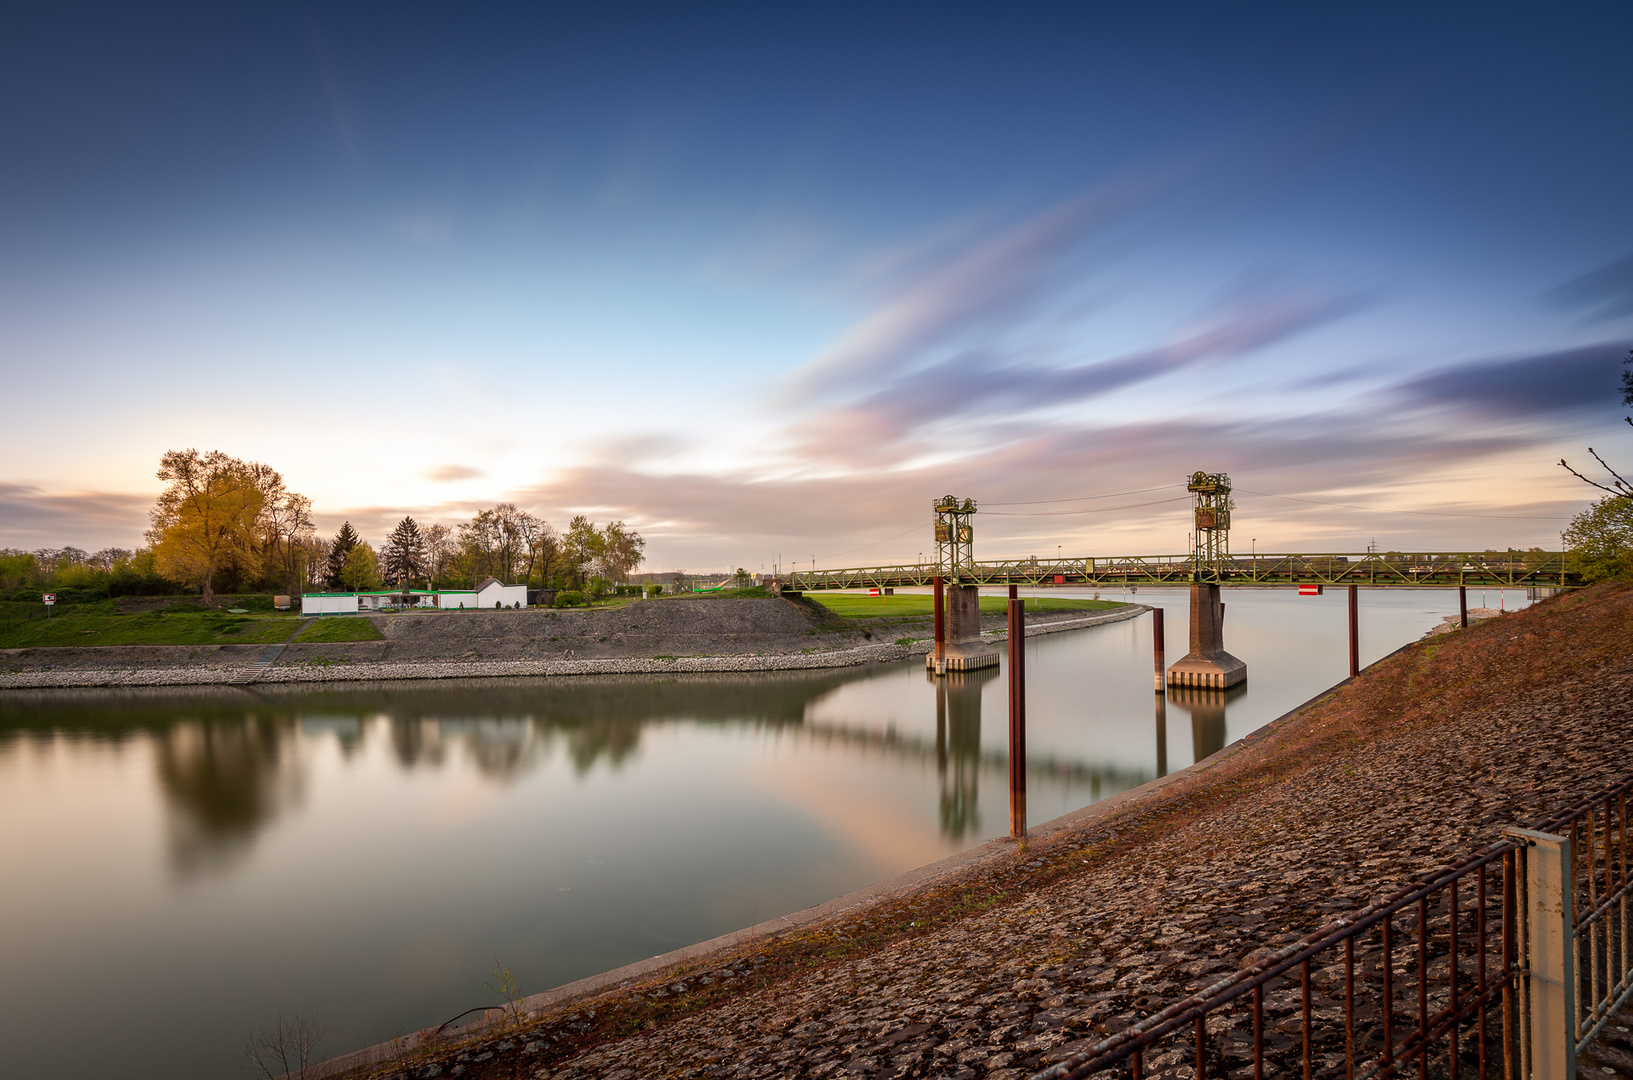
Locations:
(1016, 959)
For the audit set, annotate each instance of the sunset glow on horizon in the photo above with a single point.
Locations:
(766, 283)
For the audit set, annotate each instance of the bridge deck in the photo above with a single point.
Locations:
(1499, 569)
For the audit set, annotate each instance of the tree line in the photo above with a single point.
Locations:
(503, 542)
(223, 524)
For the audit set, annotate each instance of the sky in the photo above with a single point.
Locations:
(763, 281)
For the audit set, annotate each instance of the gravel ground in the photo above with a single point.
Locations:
(659, 637)
(1015, 961)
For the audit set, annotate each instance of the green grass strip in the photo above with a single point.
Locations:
(60, 631)
(340, 628)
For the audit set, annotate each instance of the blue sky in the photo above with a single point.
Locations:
(763, 281)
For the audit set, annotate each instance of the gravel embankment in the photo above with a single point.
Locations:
(659, 637)
(1014, 960)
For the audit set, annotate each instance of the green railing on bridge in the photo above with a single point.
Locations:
(1394, 569)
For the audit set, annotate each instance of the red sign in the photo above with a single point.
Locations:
(1060, 579)
(873, 592)
(1309, 590)
(50, 598)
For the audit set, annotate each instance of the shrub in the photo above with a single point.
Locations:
(569, 599)
(654, 590)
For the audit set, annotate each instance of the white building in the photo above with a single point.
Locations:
(329, 604)
(487, 596)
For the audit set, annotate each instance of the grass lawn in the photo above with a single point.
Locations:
(21, 627)
(340, 628)
(852, 606)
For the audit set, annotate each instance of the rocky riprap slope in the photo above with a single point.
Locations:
(702, 634)
(1016, 961)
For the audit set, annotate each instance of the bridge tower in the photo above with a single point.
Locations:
(963, 649)
(955, 537)
(1208, 664)
(1210, 546)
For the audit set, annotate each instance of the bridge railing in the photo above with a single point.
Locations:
(1491, 569)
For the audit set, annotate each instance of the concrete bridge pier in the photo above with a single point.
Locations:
(962, 649)
(1207, 664)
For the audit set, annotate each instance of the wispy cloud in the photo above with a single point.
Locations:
(994, 383)
(987, 288)
(1526, 386)
(30, 517)
(1601, 295)
(449, 473)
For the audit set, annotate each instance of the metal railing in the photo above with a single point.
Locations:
(1599, 911)
(1449, 976)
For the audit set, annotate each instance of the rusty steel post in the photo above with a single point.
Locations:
(941, 623)
(1354, 632)
(1159, 645)
(1463, 606)
(1017, 717)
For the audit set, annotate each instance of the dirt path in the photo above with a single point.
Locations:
(1015, 961)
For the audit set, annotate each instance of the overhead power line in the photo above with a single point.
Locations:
(1420, 513)
(1083, 498)
(1090, 510)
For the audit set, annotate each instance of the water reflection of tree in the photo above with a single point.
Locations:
(223, 778)
(958, 748)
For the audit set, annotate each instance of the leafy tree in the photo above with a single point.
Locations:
(621, 550)
(361, 570)
(547, 556)
(403, 557)
(1599, 540)
(340, 550)
(205, 519)
(583, 546)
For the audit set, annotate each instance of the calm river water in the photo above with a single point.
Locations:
(180, 867)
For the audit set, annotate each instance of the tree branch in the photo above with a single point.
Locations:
(1564, 465)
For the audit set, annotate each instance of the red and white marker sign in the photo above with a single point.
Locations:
(50, 598)
(1309, 590)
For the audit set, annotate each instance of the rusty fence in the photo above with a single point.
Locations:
(1479, 969)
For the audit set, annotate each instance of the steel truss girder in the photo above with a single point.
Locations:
(1488, 569)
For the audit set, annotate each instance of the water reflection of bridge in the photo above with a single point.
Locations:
(230, 760)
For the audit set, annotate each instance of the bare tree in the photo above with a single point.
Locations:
(287, 1049)
(288, 518)
(1618, 486)
(439, 548)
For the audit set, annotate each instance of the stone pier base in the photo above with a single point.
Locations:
(963, 650)
(1207, 665)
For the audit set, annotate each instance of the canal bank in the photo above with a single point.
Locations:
(651, 638)
(1001, 962)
